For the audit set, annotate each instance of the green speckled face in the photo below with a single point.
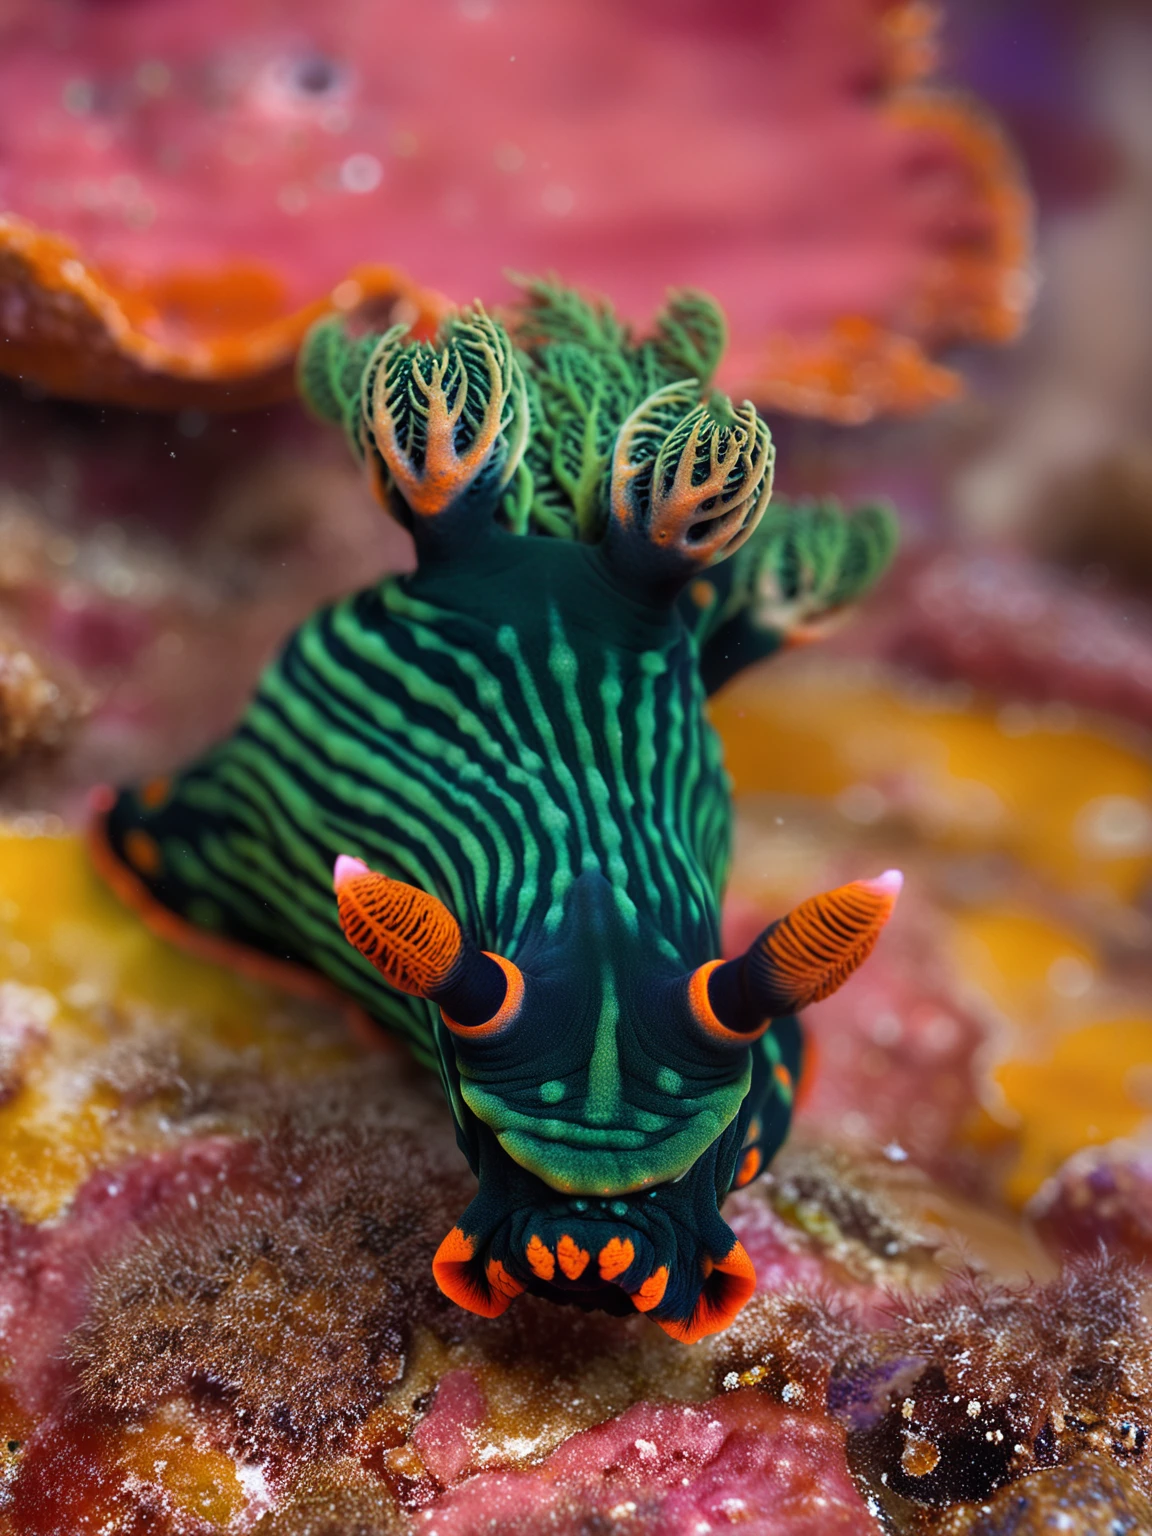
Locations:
(604, 1083)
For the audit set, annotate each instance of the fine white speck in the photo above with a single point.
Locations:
(361, 172)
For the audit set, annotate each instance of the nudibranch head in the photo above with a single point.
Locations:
(610, 1099)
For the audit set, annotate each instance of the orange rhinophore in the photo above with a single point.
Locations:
(796, 961)
(410, 937)
(813, 951)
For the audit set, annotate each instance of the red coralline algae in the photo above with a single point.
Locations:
(442, 1436)
(185, 185)
(672, 1469)
(45, 1270)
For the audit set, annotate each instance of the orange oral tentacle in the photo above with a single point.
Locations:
(726, 1289)
(455, 1271)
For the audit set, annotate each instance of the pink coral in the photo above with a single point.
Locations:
(672, 1468)
(213, 168)
(442, 1436)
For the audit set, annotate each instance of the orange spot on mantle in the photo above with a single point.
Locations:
(143, 852)
(651, 1293)
(573, 1259)
(615, 1257)
(540, 1258)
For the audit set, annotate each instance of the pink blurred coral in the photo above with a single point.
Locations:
(211, 173)
(1021, 631)
(1101, 1198)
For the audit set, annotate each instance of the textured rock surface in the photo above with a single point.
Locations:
(1006, 624)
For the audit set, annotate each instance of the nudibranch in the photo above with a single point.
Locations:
(484, 801)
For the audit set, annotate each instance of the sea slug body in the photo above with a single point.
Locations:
(484, 801)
